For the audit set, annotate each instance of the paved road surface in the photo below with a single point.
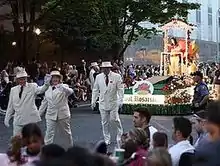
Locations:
(86, 127)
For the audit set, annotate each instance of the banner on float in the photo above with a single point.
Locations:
(144, 99)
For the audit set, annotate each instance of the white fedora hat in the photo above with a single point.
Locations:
(55, 73)
(94, 64)
(106, 64)
(21, 73)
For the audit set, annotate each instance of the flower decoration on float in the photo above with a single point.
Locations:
(179, 97)
(143, 89)
(177, 83)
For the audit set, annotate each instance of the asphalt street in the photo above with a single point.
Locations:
(86, 128)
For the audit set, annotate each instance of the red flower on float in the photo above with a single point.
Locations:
(165, 88)
(143, 87)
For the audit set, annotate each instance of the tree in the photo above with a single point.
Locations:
(109, 24)
(25, 17)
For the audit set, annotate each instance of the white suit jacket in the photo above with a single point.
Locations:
(109, 96)
(55, 103)
(91, 77)
(24, 109)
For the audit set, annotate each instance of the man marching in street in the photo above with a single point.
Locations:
(94, 66)
(22, 102)
(109, 88)
(58, 111)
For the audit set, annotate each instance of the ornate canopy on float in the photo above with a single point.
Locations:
(181, 25)
(177, 24)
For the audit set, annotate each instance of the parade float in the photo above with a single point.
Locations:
(170, 93)
(161, 95)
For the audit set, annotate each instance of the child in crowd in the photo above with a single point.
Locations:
(160, 140)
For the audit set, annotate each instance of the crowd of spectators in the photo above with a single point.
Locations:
(140, 149)
(143, 145)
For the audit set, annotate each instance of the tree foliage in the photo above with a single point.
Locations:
(108, 24)
(25, 17)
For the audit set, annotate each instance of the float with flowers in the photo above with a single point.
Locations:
(170, 93)
(162, 95)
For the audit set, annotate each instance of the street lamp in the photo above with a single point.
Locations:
(37, 31)
(13, 43)
(217, 33)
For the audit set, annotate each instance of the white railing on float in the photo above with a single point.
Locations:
(165, 62)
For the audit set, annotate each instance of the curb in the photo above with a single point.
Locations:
(83, 105)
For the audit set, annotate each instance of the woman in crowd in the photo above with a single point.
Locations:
(160, 140)
(72, 71)
(136, 141)
(80, 89)
(159, 157)
(25, 148)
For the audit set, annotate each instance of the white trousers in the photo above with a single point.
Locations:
(65, 130)
(107, 117)
(17, 129)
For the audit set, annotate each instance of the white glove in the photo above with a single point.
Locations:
(93, 105)
(120, 104)
(6, 122)
(196, 105)
(47, 79)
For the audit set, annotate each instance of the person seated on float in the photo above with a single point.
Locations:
(174, 57)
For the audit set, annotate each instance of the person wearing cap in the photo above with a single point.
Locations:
(208, 154)
(201, 93)
(94, 66)
(199, 124)
(55, 104)
(22, 102)
(110, 90)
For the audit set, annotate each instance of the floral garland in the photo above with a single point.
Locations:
(178, 97)
(177, 83)
(175, 91)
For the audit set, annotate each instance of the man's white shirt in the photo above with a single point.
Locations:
(178, 149)
(153, 130)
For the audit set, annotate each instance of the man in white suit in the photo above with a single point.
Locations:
(22, 102)
(110, 90)
(58, 111)
(92, 72)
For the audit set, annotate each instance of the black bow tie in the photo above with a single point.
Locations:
(53, 88)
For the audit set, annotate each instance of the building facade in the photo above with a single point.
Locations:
(207, 34)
